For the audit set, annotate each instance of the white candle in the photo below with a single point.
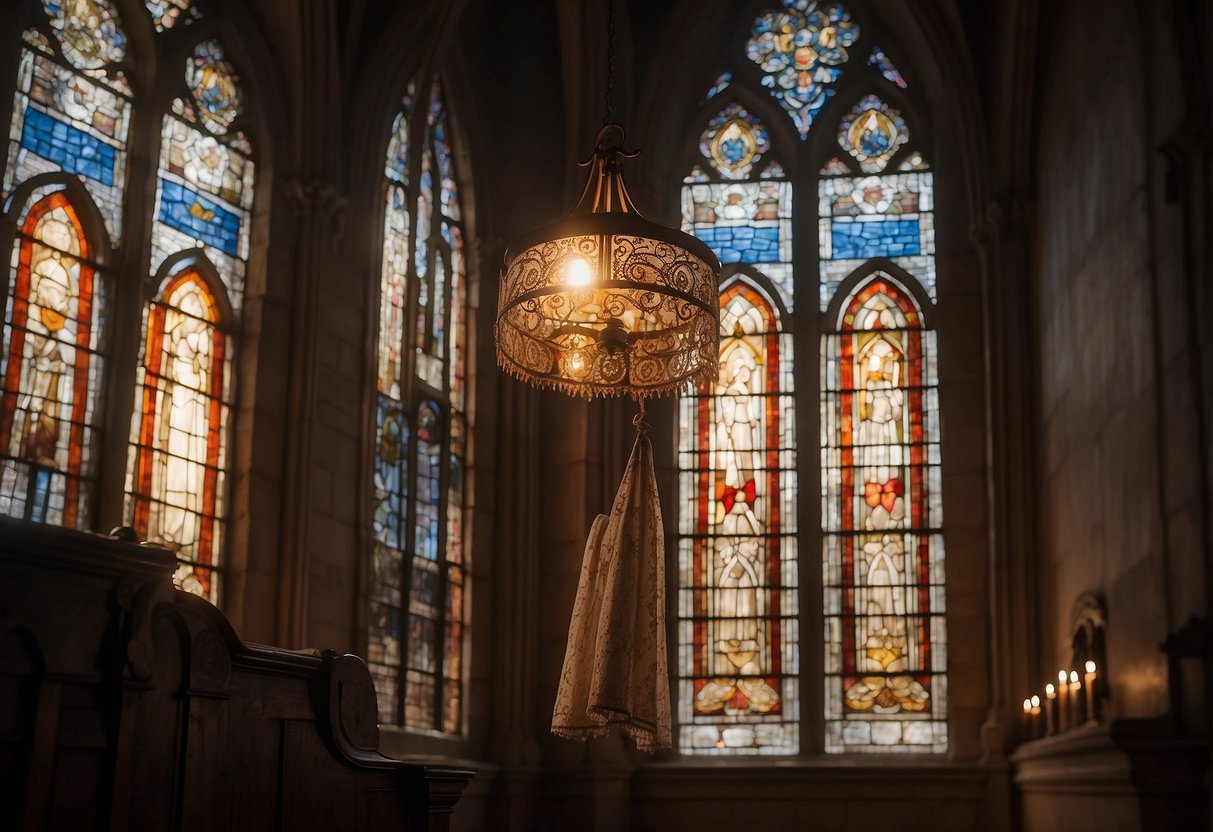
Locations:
(1063, 710)
(1089, 684)
(1050, 710)
(1075, 700)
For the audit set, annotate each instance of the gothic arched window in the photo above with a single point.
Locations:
(50, 368)
(418, 574)
(70, 123)
(176, 485)
(748, 532)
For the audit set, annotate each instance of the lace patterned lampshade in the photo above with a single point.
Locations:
(606, 302)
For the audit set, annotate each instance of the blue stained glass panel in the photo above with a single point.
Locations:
(741, 243)
(880, 238)
(71, 148)
(203, 219)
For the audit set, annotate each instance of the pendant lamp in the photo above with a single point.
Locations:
(606, 302)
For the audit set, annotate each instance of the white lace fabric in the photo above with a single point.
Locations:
(615, 662)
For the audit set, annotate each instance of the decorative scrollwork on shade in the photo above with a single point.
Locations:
(550, 331)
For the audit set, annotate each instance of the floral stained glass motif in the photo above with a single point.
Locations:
(214, 86)
(178, 466)
(881, 514)
(889, 216)
(802, 48)
(89, 32)
(65, 121)
(737, 604)
(881, 61)
(416, 634)
(51, 368)
(872, 133)
(734, 142)
(168, 13)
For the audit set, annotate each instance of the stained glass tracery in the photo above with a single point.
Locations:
(802, 48)
(872, 133)
(417, 627)
(51, 368)
(881, 514)
(734, 142)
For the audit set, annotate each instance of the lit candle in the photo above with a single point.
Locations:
(1076, 703)
(1089, 684)
(1050, 710)
(1035, 716)
(1027, 718)
(1063, 709)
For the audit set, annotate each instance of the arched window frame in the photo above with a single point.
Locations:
(416, 648)
(872, 68)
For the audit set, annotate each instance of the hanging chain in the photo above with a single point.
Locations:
(610, 86)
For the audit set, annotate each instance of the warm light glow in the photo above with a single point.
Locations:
(1073, 677)
(1035, 701)
(1027, 705)
(1061, 677)
(1050, 691)
(577, 273)
(1090, 667)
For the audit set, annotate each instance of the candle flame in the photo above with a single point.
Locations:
(1073, 677)
(1061, 676)
(1035, 701)
(1027, 705)
(1090, 667)
(1050, 690)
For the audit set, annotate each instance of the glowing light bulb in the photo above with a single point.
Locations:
(577, 273)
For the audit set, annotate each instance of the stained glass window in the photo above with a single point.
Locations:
(802, 48)
(740, 521)
(176, 483)
(71, 118)
(178, 471)
(881, 514)
(51, 367)
(418, 574)
(737, 603)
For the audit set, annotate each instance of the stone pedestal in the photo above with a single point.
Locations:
(1127, 775)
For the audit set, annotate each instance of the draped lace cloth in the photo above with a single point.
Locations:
(615, 663)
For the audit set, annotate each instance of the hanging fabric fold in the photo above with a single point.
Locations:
(615, 663)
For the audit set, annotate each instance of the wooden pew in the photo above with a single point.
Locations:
(128, 704)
